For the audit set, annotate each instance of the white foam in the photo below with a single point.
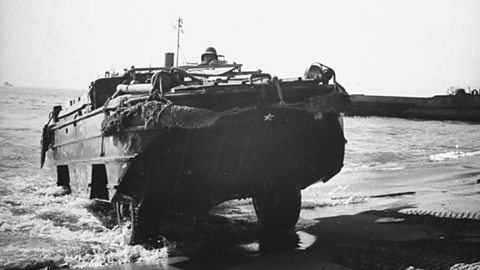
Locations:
(451, 155)
(378, 166)
(328, 202)
(68, 233)
(110, 248)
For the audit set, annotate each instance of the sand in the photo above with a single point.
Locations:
(383, 239)
(373, 239)
(430, 221)
(422, 219)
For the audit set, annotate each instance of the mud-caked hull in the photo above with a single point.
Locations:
(236, 157)
(198, 149)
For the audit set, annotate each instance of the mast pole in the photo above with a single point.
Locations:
(179, 26)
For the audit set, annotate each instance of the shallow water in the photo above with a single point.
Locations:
(426, 160)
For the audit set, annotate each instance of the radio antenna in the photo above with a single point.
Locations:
(179, 29)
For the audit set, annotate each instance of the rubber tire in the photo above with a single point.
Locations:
(278, 209)
(134, 237)
(141, 227)
(146, 230)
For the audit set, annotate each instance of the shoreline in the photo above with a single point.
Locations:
(388, 237)
(383, 239)
(375, 239)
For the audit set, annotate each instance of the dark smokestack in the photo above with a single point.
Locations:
(169, 59)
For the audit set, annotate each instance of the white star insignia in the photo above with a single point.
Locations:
(268, 117)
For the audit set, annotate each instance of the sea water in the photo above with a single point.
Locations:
(424, 160)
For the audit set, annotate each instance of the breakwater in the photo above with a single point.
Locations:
(464, 107)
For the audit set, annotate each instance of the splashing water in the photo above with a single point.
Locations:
(40, 226)
(34, 225)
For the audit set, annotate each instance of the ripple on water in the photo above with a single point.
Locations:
(59, 218)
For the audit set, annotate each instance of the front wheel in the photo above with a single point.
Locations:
(278, 209)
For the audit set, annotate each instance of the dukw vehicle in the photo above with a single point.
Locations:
(188, 138)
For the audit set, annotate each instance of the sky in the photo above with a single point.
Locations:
(380, 47)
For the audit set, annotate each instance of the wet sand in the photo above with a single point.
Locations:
(382, 240)
(389, 231)
(345, 224)
(425, 218)
(374, 239)
(429, 221)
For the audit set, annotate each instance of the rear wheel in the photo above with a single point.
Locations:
(278, 209)
(146, 224)
(141, 222)
(134, 236)
(128, 212)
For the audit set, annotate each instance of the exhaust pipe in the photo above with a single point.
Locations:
(169, 59)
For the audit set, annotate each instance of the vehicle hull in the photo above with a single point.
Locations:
(196, 169)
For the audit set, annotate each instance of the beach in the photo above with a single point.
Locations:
(408, 197)
(124, 127)
(429, 227)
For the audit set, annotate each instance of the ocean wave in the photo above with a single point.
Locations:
(307, 204)
(451, 155)
(373, 166)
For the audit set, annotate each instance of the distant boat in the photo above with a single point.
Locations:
(7, 84)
